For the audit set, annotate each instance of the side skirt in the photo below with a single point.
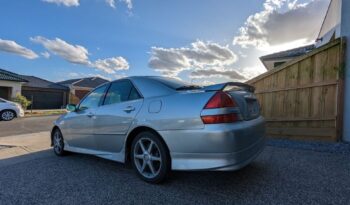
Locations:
(118, 157)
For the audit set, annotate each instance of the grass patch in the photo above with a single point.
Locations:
(28, 113)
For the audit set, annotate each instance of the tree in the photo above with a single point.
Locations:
(23, 101)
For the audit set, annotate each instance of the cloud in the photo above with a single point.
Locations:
(9, 46)
(73, 75)
(110, 65)
(45, 54)
(78, 54)
(111, 3)
(128, 3)
(282, 21)
(200, 55)
(168, 61)
(67, 3)
(229, 74)
(86, 75)
(202, 82)
(72, 53)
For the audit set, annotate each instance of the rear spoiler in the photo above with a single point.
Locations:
(234, 85)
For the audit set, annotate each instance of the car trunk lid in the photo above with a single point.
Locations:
(243, 95)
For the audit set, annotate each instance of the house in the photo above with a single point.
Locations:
(10, 84)
(331, 25)
(44, 94)
(81, 86)
(329, 58)
(276, 59)
(335, 25)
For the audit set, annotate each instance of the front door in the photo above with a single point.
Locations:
(79, 124)
(115, 115)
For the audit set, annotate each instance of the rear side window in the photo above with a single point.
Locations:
(134, 95)
(121, 91)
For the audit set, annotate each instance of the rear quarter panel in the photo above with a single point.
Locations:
(178, 111)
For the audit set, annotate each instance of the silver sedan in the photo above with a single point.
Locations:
(160, 124)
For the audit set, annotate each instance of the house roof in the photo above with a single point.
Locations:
(295, 52)
(9, 76)
(36, 82)
(91, 82)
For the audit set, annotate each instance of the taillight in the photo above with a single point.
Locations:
(217, 119)
(220, 100)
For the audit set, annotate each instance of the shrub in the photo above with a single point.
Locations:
(23, 101)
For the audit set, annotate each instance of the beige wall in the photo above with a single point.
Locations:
(331, 23)
(16, 87)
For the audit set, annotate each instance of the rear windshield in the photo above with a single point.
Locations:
(171, 82)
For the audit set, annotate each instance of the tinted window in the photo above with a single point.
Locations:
(93, 99)
(171, 82)
(121, 91)
(278, 64)
(134, 94)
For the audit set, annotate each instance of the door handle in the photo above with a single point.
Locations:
(90, 114)
(129, 109)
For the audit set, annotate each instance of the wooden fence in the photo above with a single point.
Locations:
(302, 99)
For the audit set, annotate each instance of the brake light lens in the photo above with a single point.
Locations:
(217, 119)
(220, 100)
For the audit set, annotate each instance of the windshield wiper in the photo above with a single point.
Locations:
(189, 87)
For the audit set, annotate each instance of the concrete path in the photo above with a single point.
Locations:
(25, 144)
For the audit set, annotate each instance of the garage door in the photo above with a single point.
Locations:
(5, 93)
(45, 100)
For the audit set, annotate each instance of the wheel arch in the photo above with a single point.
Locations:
(131, 136)
(52, 131)
(7, 109)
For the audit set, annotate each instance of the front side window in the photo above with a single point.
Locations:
(121, 91)
(93, 99)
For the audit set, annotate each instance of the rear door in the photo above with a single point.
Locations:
(113, 119)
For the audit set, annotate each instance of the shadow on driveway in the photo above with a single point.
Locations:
(278, 176)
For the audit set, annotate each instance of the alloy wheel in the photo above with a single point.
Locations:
(7, 115)
(58, 143)
(147, 157)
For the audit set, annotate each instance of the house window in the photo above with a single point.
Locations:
(276, 64)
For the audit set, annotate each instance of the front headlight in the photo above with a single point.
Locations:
(18, 106)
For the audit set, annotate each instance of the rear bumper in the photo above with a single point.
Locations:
(216, 147)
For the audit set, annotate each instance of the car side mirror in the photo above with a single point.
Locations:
(71, 107)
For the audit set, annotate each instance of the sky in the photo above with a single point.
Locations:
(198, 41)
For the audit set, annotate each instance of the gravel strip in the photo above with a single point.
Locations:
(328, 147)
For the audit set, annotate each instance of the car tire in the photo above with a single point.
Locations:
(58, 143)
(7, 115)
(150, 157)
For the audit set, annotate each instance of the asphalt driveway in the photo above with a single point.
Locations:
(278, 176)
(26, 125)
(285, 173)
